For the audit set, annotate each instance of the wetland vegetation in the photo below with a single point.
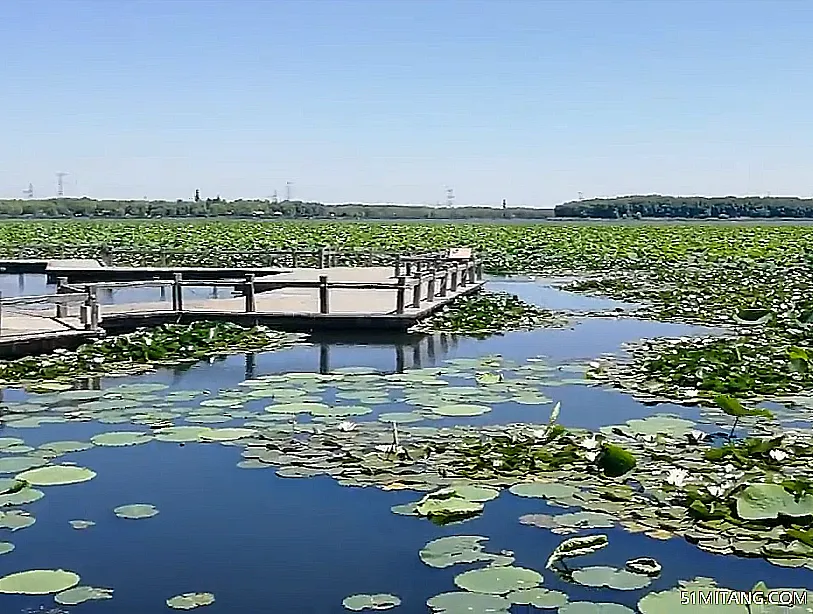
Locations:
(695, 471)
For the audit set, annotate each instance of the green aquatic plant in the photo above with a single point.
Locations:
(576, 546)
(733, 407)
(488, 313)
(146, 348)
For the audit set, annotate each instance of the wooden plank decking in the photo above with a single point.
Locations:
(301, 299)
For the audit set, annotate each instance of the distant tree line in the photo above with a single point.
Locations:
(687, 207)
(217, 207)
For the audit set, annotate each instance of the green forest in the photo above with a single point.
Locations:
(699, 207)
(217, 207)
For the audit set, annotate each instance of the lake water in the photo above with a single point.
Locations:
(262, 543)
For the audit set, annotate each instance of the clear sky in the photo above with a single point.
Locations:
(533, 101)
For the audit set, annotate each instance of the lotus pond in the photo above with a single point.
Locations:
(422, 473)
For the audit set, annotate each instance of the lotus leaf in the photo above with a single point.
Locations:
(56, 475)
(136, 511)
(644, 565)
(15, 464)
(182, 434)
(769, 501)
(16, 520)
(38, 582)
(577, 546)
(448, 551)
(472, 492)
(190, 601)
(619, 579)
(121, 438)
(21, 497)
(665, 424)
(666, 602)
(379, 601)
(297, 408)
(227, 434)
(461, 409)
(6, 547)
(80, 594)
(498, 580)
(81, 524)
(543, 490)
(400, 417)
(65, 447)
(538, 597)
(464, 602)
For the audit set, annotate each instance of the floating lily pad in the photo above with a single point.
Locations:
(401, 417)
(461, 409)
(81, 524)
(543, 490)
(121, 438)
(21, 497)
(619, 579)
(15, 464)
(80, 594)
(182, 434)
(16, 520)
(297, 408)
(227, 434)
(644, 565)
(452, 550)
(6, 547)
(498, 580)
(538, 597)
(136, 511)
(65, 447)
(38, 582)
(190, 601)
(379, 601)
(460, 602)
(57, 475)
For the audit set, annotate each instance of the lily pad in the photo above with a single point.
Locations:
(81, 524)
(587, 607)
(378, 601)
(6, 547)
(619, 579)
(460, 602)
(190, 601)
(80, 594)
(538, 597)
(136, 511)
(57, 475)
(461, 409)
(543, 490)
(38, 582)
(498, 580)
(769, 501)
(121, 438)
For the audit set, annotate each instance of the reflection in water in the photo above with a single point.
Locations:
(251, 365)
(423, 350)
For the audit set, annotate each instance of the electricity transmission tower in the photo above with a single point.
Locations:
(29, 193)
(60, 187)
(449, 197)
(288, 185)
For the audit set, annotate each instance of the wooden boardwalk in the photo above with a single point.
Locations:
(301, 299)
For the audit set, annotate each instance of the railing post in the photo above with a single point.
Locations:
(177, 292)
(61, 309)
(430, 288)
(90, 310)
(400, 295)
(463, 275)
(321, 262)
(1, 311)
(324, 298)
(444, 282)
(479, 271)
(251, 305)
(294, 255)
(408, 266)
(370, 258)
(398, 266)
(95, 316)
(416, 291)
(162, 258)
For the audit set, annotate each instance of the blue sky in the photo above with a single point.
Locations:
(533, 101)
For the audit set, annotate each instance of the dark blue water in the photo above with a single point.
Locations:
(266, 544)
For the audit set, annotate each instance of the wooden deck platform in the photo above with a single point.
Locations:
(301, 299)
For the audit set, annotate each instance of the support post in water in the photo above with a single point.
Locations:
(177, 292)
(1, 311)
(454, 279)
(416, 291)
(430, 287)
(251, 304)
(324, 300)
(397, 266)
(400, 296)
(444, 283)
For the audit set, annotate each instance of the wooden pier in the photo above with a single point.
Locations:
(323, 298)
